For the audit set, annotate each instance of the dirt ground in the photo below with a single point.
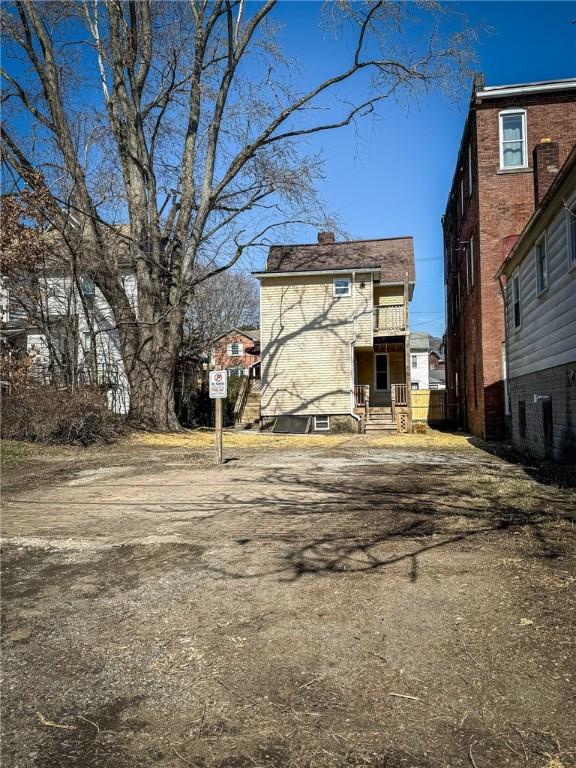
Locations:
(315, 602)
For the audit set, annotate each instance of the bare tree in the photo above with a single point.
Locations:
(177, 129)
(227, 300)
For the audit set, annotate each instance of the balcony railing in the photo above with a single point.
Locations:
(389, 318)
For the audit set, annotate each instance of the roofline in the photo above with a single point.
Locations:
(231, 330)
(500, 91)
(563, 174)
(342, 242)
(298, 272)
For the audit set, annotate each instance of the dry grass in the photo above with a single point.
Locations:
(204, 439)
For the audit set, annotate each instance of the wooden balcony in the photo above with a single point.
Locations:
(389, 319)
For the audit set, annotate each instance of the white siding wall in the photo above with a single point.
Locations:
(62, 300)
(306, 335)
(420, 373)
(547, 333)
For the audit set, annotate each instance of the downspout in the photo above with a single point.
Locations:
(352, 343)
(504, 293)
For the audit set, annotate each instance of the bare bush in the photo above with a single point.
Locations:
(53, 415)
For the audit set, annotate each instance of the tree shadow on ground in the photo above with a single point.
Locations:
(544, 472)
(366, 522)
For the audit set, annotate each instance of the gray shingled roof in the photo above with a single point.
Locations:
(389, 255)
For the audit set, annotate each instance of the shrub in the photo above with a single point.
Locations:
(420, 428)
(46, 414)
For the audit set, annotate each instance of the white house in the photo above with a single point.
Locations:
(61, 327)
(419, 368)
(540, 314)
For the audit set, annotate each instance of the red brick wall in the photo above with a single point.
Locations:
(500, 206)
(506, 204)
(223, 360)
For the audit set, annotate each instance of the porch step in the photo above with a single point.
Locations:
(381, 426)
(380, 409)
(380, 417)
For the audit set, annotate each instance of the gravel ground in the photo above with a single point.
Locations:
(311, 604)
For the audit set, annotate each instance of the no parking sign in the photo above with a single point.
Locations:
(218, 384)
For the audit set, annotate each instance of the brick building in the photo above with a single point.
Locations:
(539, 285)
(236, 350)
(507, 135)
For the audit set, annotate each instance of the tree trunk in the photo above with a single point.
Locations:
(151, 376)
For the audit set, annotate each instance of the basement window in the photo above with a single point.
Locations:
(321, 423)
(341, 286)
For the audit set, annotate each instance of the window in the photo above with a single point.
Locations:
(321, 423)
(461, 195)
(470, 265)
(235, 349)
(541, 266)
(470, 168)
(341, 286)
(516, 299)
(415, 385)
(571, 235)
(522, 418)
(414, 361)
(513, 139)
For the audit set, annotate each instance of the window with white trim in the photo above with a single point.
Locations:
(516, 299)
(541, 265)
(321, 423)
(571, 235)
(462, 195)
(414, 361)
(470, 167)
(341, 286)
(235, 349)
(513, 152)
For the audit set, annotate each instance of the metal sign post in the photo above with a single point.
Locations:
(218, 390)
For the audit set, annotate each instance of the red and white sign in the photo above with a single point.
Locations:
(218, 384)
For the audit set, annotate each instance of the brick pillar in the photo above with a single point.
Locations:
(546, 166)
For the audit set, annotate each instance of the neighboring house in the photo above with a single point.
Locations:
(540, 308)
(437, 378)
(419, 349)
(514, 139)
(334, 329)
(236, 350)
(67, 328)
(436, 358)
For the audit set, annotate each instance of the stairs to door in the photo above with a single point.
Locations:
(380, 419)
(247, 411)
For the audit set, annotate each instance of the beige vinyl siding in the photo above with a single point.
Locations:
(547, 333)
(305, 336)
(388, 295)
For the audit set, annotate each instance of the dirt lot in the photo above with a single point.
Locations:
(316, 602)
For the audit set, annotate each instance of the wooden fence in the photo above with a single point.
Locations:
(428, 405)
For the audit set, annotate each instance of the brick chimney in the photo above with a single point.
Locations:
(324, 238)
(546, 167)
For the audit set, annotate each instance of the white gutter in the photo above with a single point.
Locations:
(320, 272)
(497, 91)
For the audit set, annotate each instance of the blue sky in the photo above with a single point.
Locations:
(394, 177)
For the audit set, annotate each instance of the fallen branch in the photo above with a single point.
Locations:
(51, 724)
(405, 696)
